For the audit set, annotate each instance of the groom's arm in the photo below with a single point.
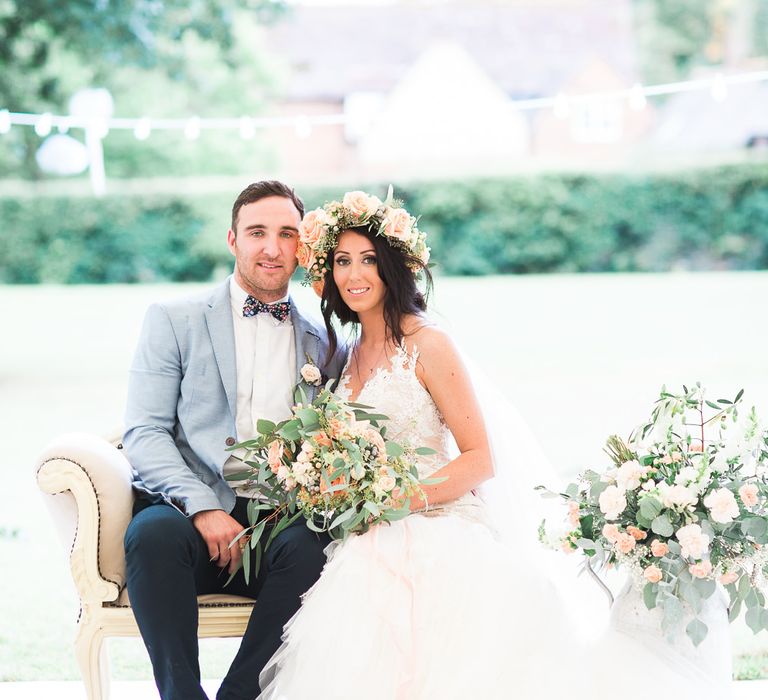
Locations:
(154, 389)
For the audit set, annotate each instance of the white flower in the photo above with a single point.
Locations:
(612, 502)
(686, 476)
(283, 473)
(692, 541)
(310, 373)
(676, 496)
(303, 472)
(387, 483)
(722, 506)
(628, 476)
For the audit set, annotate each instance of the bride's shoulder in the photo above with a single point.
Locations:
(426, 340)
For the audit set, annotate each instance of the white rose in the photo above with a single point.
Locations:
(722, 506)
(692, 541)
(628, 476)
(612, 502)
(302, 472)
(311, 374)
(283, 473)
(676, 496)
(686, 476)
(387, 483)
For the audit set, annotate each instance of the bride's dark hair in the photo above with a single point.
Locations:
(396, 268)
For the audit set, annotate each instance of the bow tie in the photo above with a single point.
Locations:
(280, 310)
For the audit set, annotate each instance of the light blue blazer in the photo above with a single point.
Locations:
(182, 396)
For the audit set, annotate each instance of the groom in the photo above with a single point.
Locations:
(205, 370)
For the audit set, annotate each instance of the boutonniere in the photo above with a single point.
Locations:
(311, 373)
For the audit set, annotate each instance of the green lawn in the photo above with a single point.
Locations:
(581, 356)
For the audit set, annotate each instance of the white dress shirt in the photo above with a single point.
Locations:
(265, 354)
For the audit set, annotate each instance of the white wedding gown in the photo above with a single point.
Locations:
(438, 607)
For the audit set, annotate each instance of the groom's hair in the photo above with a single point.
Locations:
(396, 268)
(261, 190)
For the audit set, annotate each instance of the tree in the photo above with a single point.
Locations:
(48, 49)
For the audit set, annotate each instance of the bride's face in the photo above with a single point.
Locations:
(356, 274)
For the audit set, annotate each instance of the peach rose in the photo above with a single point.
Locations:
(360, 204)
(274, 455)
(567, 546)
(748, 495)
(573, 513)
(722, 505)
(324, 488)
(728, 577)
(692, 540)
(637, 533)
(387, 483)
(625, 544)
(611, 533)
(397, 224)
(653, 574)
(659, 549)
(700, 570)
(304, 255)
(312, 227)
(612, 502)
(322, 439)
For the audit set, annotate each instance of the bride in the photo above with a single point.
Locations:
(449, 602)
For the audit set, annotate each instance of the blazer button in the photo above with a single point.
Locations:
(230, 441)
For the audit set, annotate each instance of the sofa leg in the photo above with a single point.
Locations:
(92, 659)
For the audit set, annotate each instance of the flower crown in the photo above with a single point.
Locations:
(320, 229)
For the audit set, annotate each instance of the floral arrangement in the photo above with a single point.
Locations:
(331, 463)
(319, 230)
(684, 506)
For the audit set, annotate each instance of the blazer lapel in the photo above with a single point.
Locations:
(218, 317)
(307, 343)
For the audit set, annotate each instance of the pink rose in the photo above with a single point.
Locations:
(637, 533)
(700, 570)
(653, 574)
(728, 577)
(748, 495)
(573, 513)
(659, 549)
(625, 544)
(397, 224)
(722, 505)
(312, 226)
(361, 205)
(611, 533)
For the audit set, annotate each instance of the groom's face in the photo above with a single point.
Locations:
(264, 245)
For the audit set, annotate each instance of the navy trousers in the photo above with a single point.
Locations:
(167, 567)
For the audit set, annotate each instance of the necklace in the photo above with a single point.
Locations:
(371, 366)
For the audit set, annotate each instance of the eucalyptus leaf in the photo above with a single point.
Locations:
(372, 508)
(706, 587)
(394, 450)
(661, 525)
(650, 593)
(650, 507)
(754, 619)
(425, 451)
(264, 426)
(339, 519)
(697, 631)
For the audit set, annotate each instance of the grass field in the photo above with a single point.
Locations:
(581, 356)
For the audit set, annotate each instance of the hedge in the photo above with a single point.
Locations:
(698, 220)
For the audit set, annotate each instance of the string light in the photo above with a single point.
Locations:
(560, 104)
(44, 124)
(637, 98)
(142, 129)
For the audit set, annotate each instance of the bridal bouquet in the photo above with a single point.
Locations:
(685, 505)
(331, 463)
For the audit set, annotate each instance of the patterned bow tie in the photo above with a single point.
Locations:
(280, 310)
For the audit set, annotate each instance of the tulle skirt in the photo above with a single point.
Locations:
(435, 607)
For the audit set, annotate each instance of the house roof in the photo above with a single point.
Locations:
(528, 48)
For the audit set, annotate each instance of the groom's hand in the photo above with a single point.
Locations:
(218, 529)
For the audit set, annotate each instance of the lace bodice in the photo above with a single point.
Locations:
(414, 419)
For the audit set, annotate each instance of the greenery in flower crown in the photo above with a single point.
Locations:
(684, 506)
(320, 229)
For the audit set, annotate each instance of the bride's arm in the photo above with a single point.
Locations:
(443, 374)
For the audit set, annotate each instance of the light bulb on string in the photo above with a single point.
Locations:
(142, 129)
(637, 98)
(303, 127)
(64, 125)
(719, 89)
(192, 128)
(5, 121)
(247, 128)
(562, 107)
(44, 124)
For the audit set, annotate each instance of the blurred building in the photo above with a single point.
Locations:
(429, 90)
